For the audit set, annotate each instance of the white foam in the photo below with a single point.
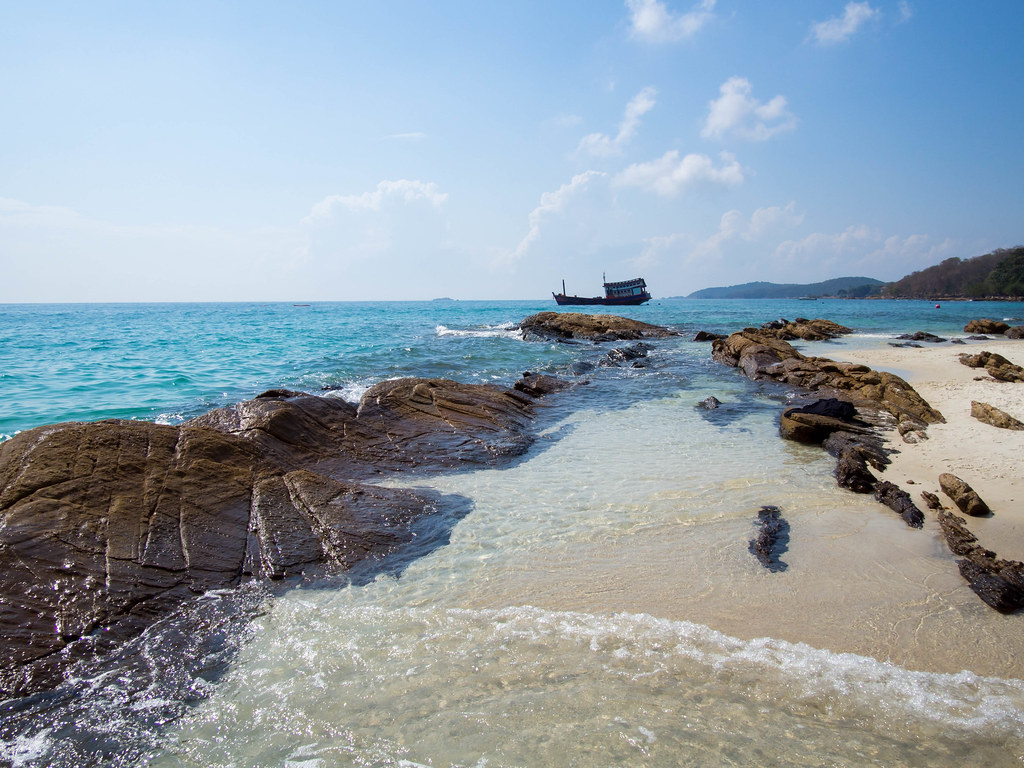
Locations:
(504, 330)
(26, 750)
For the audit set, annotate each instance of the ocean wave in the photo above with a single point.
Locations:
(503, 330)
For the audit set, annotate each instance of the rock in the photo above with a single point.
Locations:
(922, 336)
(905, 345)
(814, 422)
(900, 502)
(709, 403)
(959, 540)
(1016, 332)
(989, 414)
(623, 355)
(106, 527)
(540, 384)
(966, 498)
(854, 453)
(577, 325)
(992, 585)
(998, 367)
(763, 357)
(802, 328)
(932, 501)
(772, 539)
(978, 338)
(707, 336)
(986, 326)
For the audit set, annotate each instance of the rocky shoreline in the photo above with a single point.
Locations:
(107, 527)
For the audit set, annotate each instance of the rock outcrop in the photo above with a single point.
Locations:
(931, 338)
(563, 326)
(998, 367)
(802, 328)
(999, 583)
(989, 414)
(984, 325)
(1017, 332)
(107, 526)
(763, 357)
(966, 498)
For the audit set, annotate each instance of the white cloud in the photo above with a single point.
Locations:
(603, 146)
(405, 190)
(842, 27)
(669, 175)
(411, 136)
(550, 203)
(906, 12)
(737, 113)
(763, 223)
(653, 22)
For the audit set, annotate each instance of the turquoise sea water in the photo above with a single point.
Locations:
(595, 604)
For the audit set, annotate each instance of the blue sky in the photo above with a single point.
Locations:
(411, 150)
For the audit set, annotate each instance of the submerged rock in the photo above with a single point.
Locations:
(899, 501)
(578, 325)
(707, 336)
(709, 403)
(772, 539)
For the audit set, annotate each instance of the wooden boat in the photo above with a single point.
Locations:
(625, 293)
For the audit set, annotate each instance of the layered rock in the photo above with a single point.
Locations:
(989, 414)
(998, 367)
(802, 328)
(763, 357)
(578, 325)
(107, 526)
(984, 325)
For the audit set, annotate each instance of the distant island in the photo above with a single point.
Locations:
(995, 275)
(842, 287)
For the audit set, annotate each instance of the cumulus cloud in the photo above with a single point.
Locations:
(736, 113)
(404, 190)
(652, 22)
(551, 203)
(762, 224)
(669, 175)
(602, 145)
(841, 28)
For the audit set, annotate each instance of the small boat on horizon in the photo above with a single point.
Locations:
(625, 293)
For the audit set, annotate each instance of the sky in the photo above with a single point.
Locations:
(407, 150)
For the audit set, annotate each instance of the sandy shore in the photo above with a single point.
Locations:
(988, 458)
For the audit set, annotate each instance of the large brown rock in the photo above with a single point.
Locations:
(578, 325)
(764, 357)
(989, 414)
(108, 526)
(807, 330)
(965, 497)
(984, 325)
(998, 367)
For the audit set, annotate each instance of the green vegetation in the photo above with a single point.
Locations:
(996, 275)
(844, 287)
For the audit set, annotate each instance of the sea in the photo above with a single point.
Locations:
(592, 603)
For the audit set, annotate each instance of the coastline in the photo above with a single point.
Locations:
(986, 457)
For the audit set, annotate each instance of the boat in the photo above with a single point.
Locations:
(625, 293)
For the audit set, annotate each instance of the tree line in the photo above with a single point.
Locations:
(996, 275)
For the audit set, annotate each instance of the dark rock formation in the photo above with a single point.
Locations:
(983, 325)
(998, 367)
(1017, 332)
(633, 355)
(931, 500)
(577, 325)
(814, 422)
(802, 328)
(989, 414)
(905, 344)
(709, 403)
(1000, 583)
(854, 453)
(966, 498)
(931, 338)
(772, 539)
(107, 526)
(978, 338)
(899, 501)
(707, 336)
(540, 384)
(763, 357)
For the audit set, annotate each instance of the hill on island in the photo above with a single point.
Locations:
(847, 287)
(999, 274)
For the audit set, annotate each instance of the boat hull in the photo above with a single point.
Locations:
(624, 301)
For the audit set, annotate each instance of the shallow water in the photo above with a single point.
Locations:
(593, 604)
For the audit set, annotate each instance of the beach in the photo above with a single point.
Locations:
(986, 457)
